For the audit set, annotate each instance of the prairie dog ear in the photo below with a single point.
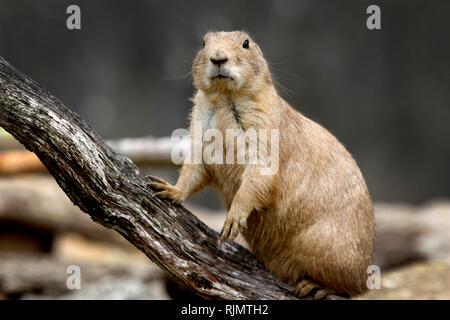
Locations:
(207, 36)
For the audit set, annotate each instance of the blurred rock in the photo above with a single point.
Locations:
(430, 280)
(74, 247)
(121, 288)
(405, 234)
(36, 201)
(44, 277)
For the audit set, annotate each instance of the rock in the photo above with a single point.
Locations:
(74, 247)
(44, 277)
(429, 280)
(407, 234)
(38, 203)
(119, 288)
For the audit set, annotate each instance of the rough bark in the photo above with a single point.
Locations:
(111, 189)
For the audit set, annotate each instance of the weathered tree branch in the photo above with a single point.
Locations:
(110, 188)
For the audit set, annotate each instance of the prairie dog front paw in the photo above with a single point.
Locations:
(234, 224)
(165, 190)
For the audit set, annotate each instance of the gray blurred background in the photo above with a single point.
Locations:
(384, 94)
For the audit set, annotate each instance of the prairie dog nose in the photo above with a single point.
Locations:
(218, 61)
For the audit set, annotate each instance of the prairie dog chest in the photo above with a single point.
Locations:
(219, 125)
(227, 115)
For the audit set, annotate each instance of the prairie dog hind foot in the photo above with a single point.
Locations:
(305, 288)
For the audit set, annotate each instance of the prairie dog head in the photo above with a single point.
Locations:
(229, 62)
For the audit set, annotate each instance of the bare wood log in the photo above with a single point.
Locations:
(111, 189)
(43, 276)
(18, 161)
(37, 201)
(144, 152)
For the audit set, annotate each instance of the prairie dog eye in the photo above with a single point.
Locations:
(203, 42)
(246, 44)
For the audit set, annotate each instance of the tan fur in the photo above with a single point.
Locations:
(313, 219)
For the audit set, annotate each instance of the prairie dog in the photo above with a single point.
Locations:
(311, 223)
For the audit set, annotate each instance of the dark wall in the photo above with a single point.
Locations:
(384, 94)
